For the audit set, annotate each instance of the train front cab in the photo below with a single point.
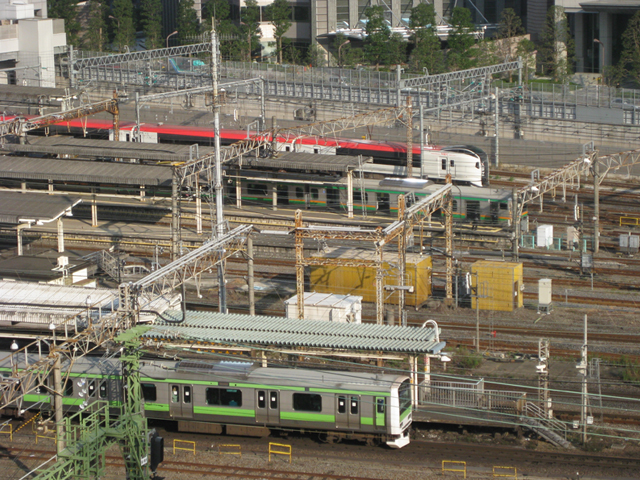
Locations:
(400, 410)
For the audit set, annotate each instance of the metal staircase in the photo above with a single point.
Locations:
(108, 262)
(554, 431)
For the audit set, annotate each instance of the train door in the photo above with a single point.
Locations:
(342, 416)
(381, 412)
(333, 197)
(473, 211)
(262, 412)
(384, 204)
(181, 401)
(274, 406)
(354, 411)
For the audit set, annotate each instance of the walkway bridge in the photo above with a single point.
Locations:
(470, 403)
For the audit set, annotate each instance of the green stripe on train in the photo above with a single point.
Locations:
(231, 411)
(156, 407)
(307, 417)
(366, 420)
(405, 414)
(350, 392)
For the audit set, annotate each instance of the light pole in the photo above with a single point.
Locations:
(595, 40)
(340, 51)
(171, 35)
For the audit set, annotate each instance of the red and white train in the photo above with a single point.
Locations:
(467, 164)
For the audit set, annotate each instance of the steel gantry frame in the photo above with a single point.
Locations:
(430, 80)
(400, 229)
(29, 376)
(589, 162)
(20, 126)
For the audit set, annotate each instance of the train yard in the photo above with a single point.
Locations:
(479, 338)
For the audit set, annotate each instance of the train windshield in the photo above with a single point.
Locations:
(404, 394)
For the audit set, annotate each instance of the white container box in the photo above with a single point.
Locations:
(544, 236)
(327, 307)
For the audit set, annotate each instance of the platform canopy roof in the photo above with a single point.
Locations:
(244, 330)
(16, 208)
(89, 148)
(30, 168)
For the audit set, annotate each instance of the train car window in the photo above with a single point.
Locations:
(103, 389)
(444, 164)
(314, 194)
(257, 189)
(308, 402)
(226, 397)
(478, 165)
(451, 163)
(504, 206)
(299, 192)
(149, 392)
(92, 388)
(380, 405)
(175, 394)
(342, 404)
(354, 405)
(186, 397)
(262, 399)
(273, 400)
(68, 388)
(454, 205)
(358, 197)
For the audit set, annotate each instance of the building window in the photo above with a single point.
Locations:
(307, 402)
(342, 12)
(300, 13)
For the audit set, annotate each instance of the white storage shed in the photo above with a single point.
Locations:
(328, 307)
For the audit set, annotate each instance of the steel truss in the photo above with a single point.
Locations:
(431, 80)
(105, 60)
(20, 126)
(402, 228)
(190, 266)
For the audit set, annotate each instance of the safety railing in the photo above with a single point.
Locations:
(7, 429)
(279, 449)
(446, 468)
(501, 472)
(228, 449)
(632, 221)
(534, 411)
(176, 446)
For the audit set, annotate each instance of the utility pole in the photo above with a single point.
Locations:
(410, 137)
(252, 298)
(543, 377)
(215, 57)
(596, 205)
(421, 108)
(57, 405)
(497, 134)
(582, 369)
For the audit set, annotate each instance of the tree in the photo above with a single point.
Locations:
(122, 23)
(188, 26)
(66, 10)
(509, 28)
(630, 58)
(316, 56)
(557, 45)
(151, 18)
(279, 12)
(461, 40)
(527, 50)
(427, 51)
(250, 28)
(219, 10)
(376, 44)
(96, 35)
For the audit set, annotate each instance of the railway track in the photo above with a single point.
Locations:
(193, 468)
